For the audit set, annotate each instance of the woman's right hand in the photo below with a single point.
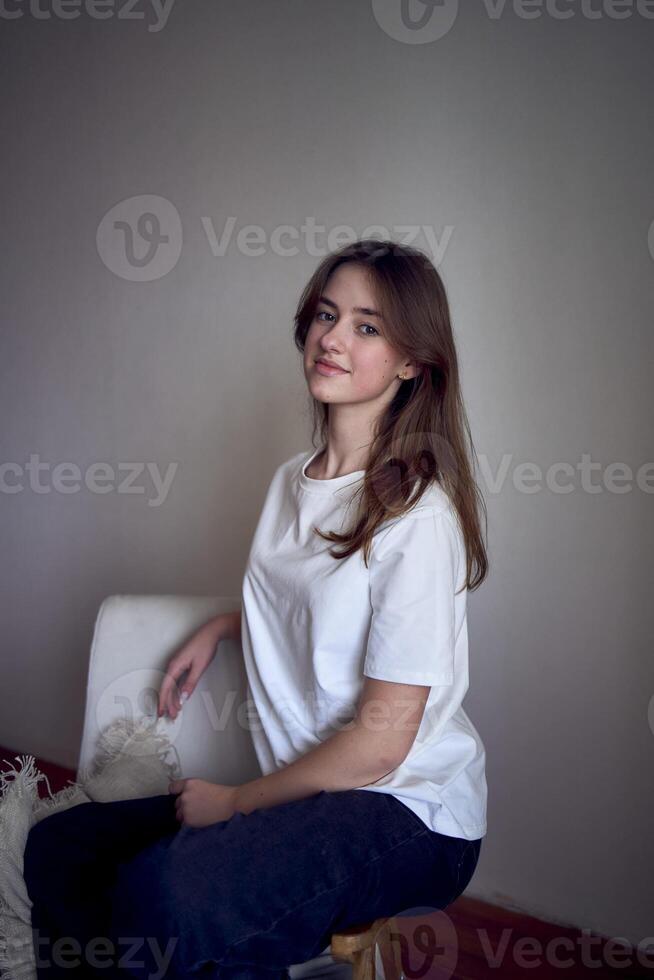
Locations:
(195, 656)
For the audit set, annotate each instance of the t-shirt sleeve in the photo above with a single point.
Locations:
(413, 577)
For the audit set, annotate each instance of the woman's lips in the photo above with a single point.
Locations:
(327, 370)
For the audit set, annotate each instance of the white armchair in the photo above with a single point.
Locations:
(133, 640)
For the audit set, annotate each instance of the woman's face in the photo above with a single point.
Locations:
(353, 340)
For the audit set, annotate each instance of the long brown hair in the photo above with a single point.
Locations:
(423, 436)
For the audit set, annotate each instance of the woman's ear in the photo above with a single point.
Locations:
(410, 370)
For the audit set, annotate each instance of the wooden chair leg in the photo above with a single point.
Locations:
(390, 952)
(356, 945)
(363, 964)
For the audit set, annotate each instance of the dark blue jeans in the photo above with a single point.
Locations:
(122, 889)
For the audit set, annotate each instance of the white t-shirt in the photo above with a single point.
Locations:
(313, 625)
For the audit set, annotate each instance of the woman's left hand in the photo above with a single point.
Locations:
(200, 803)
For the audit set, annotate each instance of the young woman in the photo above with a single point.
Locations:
(353, 628)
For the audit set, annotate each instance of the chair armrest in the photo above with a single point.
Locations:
(133, 640)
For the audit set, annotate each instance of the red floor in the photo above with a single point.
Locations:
(478, 940)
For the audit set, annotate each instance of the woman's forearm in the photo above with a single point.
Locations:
(225, 626)
(346, 760)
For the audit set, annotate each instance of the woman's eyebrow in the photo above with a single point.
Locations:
(355, 309)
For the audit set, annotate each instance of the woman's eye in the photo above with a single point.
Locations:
(324, 313)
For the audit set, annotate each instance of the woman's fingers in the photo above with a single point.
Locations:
(170, 706)
(169, 693)
(164, 693)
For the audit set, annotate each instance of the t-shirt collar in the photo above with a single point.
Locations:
(325, 486)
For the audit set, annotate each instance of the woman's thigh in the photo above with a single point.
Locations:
(94, 833)
(69, 867)
(270, 887)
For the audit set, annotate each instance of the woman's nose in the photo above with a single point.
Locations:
(335, 335)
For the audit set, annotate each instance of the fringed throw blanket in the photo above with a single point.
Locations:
(131, 761)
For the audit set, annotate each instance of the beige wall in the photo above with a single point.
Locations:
(520, 148)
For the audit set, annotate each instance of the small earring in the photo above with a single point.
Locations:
(401, 377)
